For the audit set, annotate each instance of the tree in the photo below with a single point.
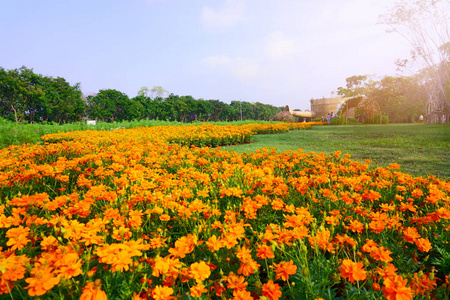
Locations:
(147, 107)
(20, 91)
(217, 107)
(61, 102)
(158, 92)
(203, 112)
(356, 86)
(264, 111)
(425, 25)
(356, 91)
(25, 95)
(111, 106)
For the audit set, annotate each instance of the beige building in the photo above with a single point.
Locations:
(322, 107)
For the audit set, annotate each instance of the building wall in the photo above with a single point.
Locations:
(322, 107)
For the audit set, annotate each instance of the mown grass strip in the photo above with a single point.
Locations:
(420, 149)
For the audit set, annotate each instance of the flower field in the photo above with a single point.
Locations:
(159, 213)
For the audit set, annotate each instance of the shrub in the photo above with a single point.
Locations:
(284, 116)
(384, 119)
(341, 121)
(352, 121)
(337, 121)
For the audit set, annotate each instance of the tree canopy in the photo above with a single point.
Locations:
(27, 96)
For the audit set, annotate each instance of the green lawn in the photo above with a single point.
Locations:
(420, 149)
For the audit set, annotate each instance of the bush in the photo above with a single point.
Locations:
(384, 119)
(341, 121)
(284, 116)
(337, 121)
(352, 121)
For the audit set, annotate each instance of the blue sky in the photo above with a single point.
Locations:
(273, 51)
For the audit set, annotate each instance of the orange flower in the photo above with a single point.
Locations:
(92, 291)
(244, 254)
(49, 242)
(423, 245)
(122, 233)
(18, 237)
(235, 281)
(162, 293)
(410, 234)
(388, 271)
(352, 270)
(369, 246)
(443, 213)
(13, 269)
(42, 280)
(284, 269)
(160, 266)
(381, 254)
(242, 295)
(248, 267)
(69, 266)
(395, 288)
(422, 284)
(355, 226)
(213, 243)
(184, 245)
(271, 290)
(197, 290)
(377, 225)
(321, 240)
(120, 256)
(264, 252)
(164, 217)
(200, 271)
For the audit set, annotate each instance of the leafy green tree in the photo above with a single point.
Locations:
(359, 91)
(20, 91)
(25, 95)
(230, 113)
(111, 105)
(355, 86)
(217, 108)
(146, 104)
(401, 98)
(264, 111)
(203, 111)
(247, 111)
(61, 102)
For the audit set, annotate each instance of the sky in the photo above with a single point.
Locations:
(278, 52)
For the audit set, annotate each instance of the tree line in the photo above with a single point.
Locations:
(401, 98)
(27, 96)
(425, 26)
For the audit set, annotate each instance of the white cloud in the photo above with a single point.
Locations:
(242, 69)
(217, 61)
(278, 46)
(228, 15)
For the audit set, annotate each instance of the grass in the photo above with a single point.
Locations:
(419, 149)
